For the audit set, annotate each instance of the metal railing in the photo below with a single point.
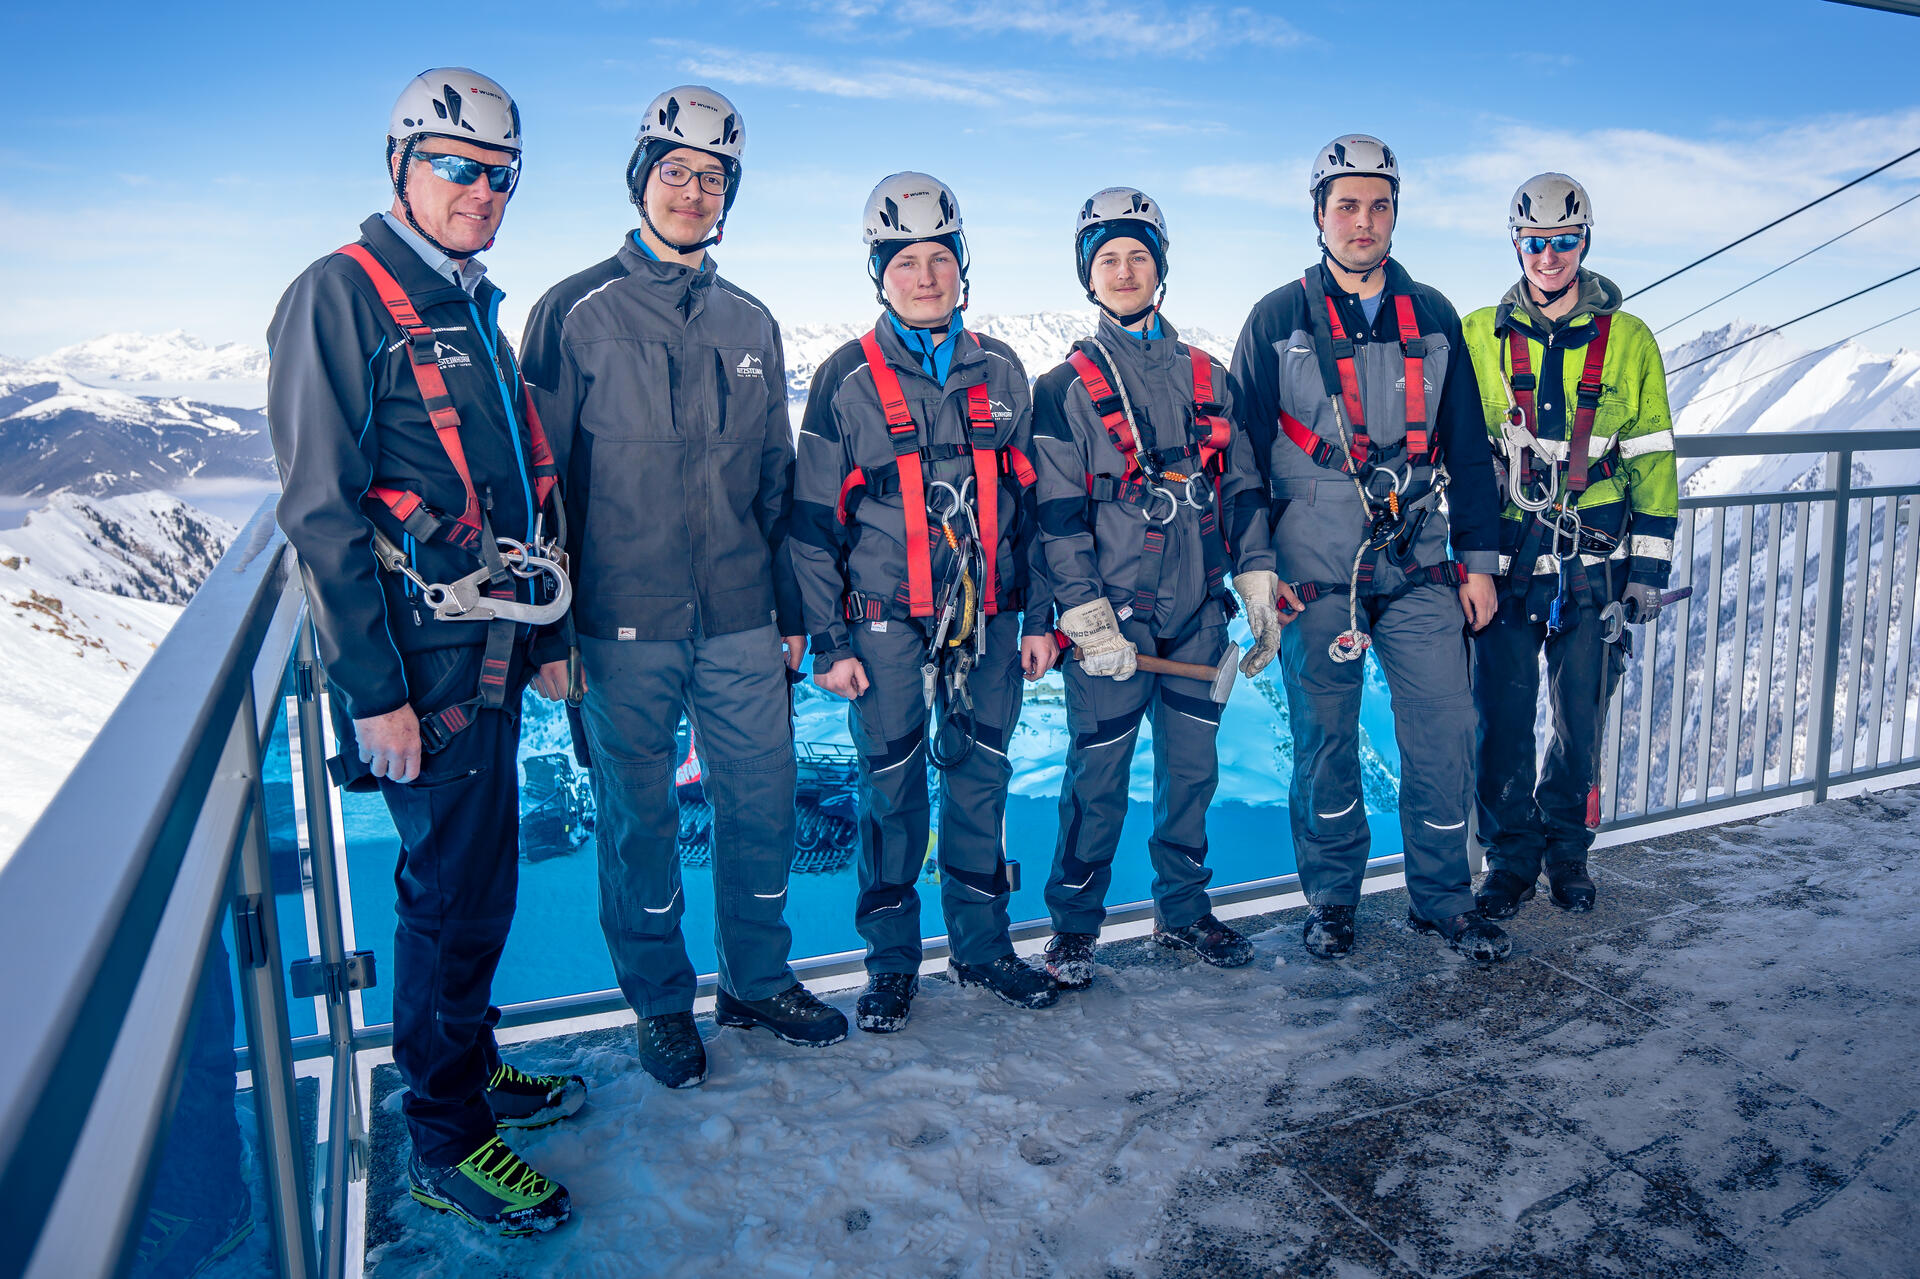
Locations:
(1779, 678)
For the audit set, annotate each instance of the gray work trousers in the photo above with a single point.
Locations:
(1104, 717)
(889, 726)
(1420, 639)
(733, 689)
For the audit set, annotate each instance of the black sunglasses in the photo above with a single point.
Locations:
(464, 171)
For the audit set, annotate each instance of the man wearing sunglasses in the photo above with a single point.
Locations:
(1363, 414)
(1575, 399)
(664, 387)
(408, 458)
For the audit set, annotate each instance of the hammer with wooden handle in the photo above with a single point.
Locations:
(1218, 679)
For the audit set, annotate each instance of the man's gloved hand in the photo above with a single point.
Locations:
(1095, 632)
(1641, 602)
(1261, 593)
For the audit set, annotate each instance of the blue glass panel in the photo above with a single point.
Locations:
(556, 948)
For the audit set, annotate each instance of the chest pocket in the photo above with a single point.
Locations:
(631, 396)
(740, 379)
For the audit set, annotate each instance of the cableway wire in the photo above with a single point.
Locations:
(1776, 222)
(1754, 337)
(1789, 262)
(1754, 377)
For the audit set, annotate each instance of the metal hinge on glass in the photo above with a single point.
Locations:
(317, 979)
(249, 932)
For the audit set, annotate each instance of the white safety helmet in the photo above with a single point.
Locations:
(455, 102)
(690, 115)
(448, 102)
(1353, 155)
(904, 209)
(1126, 211)
(693, 115)
(1550, 201)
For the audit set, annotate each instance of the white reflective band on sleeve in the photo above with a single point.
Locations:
(1656, 548)
(1658, 442)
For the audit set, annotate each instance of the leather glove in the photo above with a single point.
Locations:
(1641, 602)
(1098, 643)
(1259, 592)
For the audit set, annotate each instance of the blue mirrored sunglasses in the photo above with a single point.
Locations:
(1563, 243)
(464, 171)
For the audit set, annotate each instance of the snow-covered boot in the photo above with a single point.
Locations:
(1329, 931)
(794, 1015)
(492, 1189)
(1501, 893)
(1012, 978)
(520, 1100)
(1470, 934)
(1070, 960)
(1207, 937)
(884, 1003)
(1570, 886)
(671, 1050)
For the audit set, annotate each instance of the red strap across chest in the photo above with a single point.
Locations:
(1349, 376)
(1108, 405)
(1587, 403)
(1415, 349)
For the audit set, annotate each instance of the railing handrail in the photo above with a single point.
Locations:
(81, 897)
(1760, 444)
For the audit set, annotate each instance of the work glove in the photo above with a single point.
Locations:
(1098, 643)
(1641, 602)
(1259, 592)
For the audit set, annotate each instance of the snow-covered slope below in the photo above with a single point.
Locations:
(144, 357)
(74, 630)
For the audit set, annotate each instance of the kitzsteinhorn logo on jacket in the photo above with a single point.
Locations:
(749, 366)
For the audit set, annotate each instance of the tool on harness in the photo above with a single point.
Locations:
(1151, 473)
(500, 608)
(970, 591)
(1392, 520)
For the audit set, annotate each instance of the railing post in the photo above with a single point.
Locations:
(263, 996)
(1833, 577)
(346, 1127)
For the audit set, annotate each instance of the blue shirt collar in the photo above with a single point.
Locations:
(936, 358)
(465, 275)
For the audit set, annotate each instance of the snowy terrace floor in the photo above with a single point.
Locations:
(1716, 1073)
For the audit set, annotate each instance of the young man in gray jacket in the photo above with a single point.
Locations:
(913, 542)
(1146, 487)
(663, 388)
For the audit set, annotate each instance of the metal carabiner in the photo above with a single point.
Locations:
(1188, 499)
(1396, 482)
(1566, 528)
(941, 486)
(1173, 505)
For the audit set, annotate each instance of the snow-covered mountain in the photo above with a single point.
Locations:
(1774, 385)
(88, 588)
(58, 434)
(1041, 339)
(143, 357)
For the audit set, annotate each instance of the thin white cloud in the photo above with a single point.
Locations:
(882, 80)
(1111, 28)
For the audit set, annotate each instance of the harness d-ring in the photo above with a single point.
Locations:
(942, 486)
(1396, 482)
(1173, 505)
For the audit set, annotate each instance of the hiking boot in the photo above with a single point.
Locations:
(1570, 887)
(884, 1003)
(1329, 931)
(1213, 941)
(793, 1015)
(1469, 934)
(671, 1051)
(520, 1100)
(492, 1189)
(1012, 978)
(1501, 893)
(1070, 960)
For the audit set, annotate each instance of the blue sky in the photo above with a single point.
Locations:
(176, 169)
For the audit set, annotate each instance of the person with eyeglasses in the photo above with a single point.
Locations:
(1365, 423)
(408, 459)
(664, 387)
(1146, 484)
(1575, 399)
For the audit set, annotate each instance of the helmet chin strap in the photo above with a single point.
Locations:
(1128, 321)
(1548, 299)
(406, 206)
(1366, 275)
(719, 231)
